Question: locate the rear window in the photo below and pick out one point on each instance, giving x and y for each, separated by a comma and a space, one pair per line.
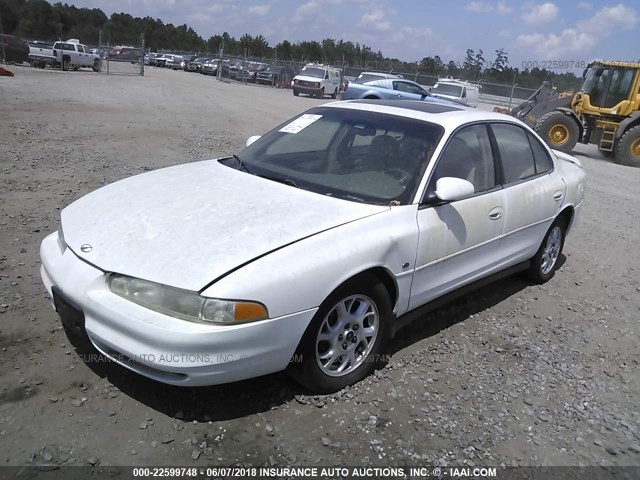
447, 89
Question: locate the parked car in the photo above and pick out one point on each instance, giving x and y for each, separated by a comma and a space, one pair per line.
375, 209
151, 59
162, 59
210, 67
365, 77
15, 50
458, 90
195, 65
41, 54
317, 80
388, 88
276, 76
73, 54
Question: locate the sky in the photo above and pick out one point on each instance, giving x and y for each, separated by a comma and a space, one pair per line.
529, 31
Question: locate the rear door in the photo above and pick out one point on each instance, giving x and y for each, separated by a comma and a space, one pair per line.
534, 191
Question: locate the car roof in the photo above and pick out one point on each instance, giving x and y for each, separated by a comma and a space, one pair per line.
449, 116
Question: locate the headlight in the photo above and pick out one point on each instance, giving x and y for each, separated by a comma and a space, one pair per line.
185, 304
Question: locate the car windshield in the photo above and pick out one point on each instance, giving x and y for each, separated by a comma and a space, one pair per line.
313, 72
361, 156
447, 89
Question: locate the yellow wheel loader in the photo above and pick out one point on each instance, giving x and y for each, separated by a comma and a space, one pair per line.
605, 112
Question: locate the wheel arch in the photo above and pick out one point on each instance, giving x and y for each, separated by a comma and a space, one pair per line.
632, 121
570, 113
567, 215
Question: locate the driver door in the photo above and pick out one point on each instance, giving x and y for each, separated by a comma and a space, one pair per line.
408, 90
460, 241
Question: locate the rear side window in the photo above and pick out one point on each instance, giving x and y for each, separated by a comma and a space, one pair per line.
540, 155
515, 152
68, 46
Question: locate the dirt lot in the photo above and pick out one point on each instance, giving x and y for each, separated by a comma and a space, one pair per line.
513, 374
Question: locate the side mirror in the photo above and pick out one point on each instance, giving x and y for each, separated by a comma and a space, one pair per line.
252, 139
450, 189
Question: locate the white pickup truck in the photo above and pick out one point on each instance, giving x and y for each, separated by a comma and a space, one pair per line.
73, 54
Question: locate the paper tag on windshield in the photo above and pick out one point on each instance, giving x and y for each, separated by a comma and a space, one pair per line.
300, 123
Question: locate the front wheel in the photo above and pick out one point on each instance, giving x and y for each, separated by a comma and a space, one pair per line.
65, 64
545, 261
628, 148
345, 340
296, 93
321, 93
558, 130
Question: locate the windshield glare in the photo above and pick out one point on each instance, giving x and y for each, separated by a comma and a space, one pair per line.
361, 156
313, 72
447, 89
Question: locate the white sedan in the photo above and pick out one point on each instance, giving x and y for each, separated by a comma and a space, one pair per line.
307, 250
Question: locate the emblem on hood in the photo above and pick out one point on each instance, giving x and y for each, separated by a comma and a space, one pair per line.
86, 248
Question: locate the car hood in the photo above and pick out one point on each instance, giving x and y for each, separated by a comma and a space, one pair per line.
189, 225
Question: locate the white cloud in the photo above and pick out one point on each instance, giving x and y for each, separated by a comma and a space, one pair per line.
503, 8
557, 47
306, 9
376, 19
584, 5
580, 40
541, 13
479, 6
610, 19
259, 10
411, 35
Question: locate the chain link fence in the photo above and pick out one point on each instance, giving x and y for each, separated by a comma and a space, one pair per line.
121, 59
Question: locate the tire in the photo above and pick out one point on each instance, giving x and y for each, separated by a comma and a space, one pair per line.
321, 93
335, 93
545, 261
296, 93
65, 64
318, 366
96, 66
76, 68
558, 130
628, 148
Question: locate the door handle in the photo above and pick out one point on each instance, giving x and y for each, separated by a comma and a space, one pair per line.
558, 196
495, 213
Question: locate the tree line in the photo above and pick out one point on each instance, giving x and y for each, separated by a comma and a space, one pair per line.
40, 20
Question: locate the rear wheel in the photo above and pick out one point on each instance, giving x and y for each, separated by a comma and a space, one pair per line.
335, 93
628, 148
545, 261
345, 340
96, 66
558, 130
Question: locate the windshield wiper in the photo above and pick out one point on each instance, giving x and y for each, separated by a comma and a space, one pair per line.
286, 181
241, 164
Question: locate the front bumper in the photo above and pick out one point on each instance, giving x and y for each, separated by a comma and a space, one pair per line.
307, 90
164, 348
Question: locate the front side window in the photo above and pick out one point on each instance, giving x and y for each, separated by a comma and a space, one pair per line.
361, 156
515, 152
468, 156
408, 88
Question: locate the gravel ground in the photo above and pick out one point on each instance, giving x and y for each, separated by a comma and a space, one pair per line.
513, 374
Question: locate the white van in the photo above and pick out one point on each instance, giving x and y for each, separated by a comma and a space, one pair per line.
458, 90
317, 80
